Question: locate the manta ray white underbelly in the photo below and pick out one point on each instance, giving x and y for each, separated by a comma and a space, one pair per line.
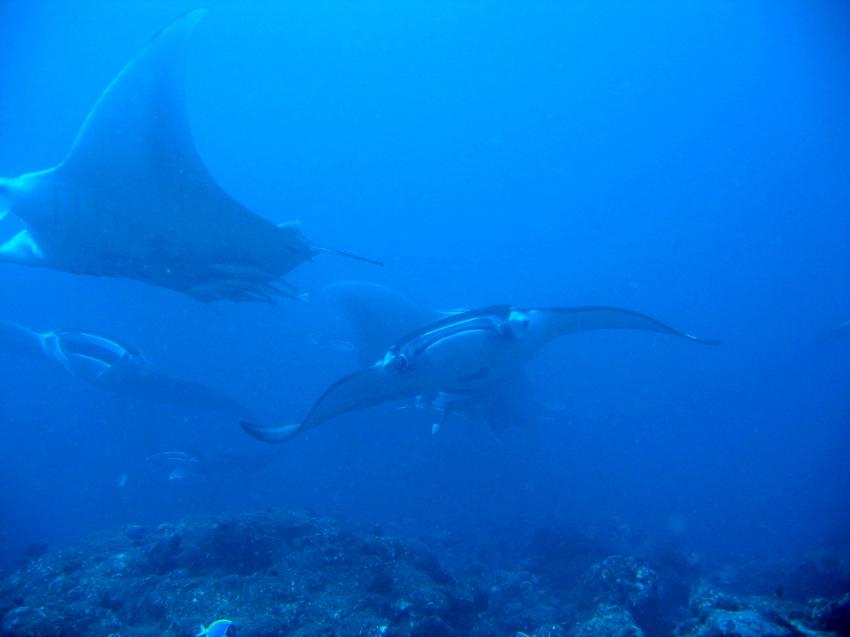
133, 198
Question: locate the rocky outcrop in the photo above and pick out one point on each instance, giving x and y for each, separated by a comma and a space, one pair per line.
271, 573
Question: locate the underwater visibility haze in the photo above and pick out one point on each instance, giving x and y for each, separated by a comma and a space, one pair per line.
657, 192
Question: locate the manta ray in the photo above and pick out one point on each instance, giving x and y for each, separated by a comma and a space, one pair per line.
464, 355
380, 316
133, 198
110, 365
192, 463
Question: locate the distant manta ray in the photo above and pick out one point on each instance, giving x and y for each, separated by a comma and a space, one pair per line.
183, 464
133, 199
463, 354
110, 365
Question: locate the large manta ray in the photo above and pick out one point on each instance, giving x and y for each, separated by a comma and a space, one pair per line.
379, 316
110, 365
464, 355
133, 199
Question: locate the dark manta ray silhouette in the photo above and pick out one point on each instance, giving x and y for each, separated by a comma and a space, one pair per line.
463, 354
110, 365
133, 199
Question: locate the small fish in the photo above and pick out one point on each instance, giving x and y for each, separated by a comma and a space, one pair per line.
219, 628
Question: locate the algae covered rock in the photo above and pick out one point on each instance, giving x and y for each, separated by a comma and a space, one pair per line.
518, 602
628, 583
271, 573
716, 613
832, 614
742, 623
608, 621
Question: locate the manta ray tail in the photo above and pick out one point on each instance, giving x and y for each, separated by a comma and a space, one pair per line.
295, 227
280, 433
342, 253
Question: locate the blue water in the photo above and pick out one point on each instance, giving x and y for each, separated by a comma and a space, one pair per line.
688, 160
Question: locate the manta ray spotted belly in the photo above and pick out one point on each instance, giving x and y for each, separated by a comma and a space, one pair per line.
133, 199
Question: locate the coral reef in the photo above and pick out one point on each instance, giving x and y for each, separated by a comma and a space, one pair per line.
628, 583
293, 574
518, 601
608, 621
271, 573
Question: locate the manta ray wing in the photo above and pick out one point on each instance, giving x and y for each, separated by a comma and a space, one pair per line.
132, 198
138, 128
362, 389
553, 322
18, 339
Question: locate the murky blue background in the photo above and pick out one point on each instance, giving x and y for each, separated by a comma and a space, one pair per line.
688, 160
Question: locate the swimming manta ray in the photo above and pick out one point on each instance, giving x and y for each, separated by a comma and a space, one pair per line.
110, 365
464, 355
133, 199
379, 317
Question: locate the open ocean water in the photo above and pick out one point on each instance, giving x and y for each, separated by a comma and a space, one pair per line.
516, 469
